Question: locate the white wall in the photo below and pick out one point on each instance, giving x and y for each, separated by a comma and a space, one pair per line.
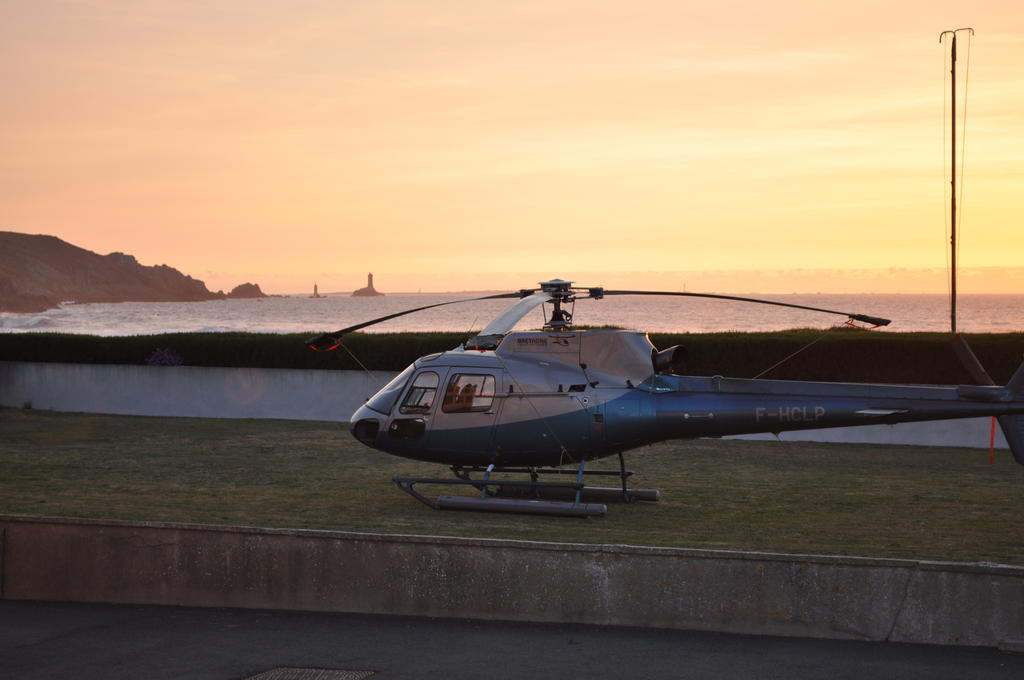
190, 391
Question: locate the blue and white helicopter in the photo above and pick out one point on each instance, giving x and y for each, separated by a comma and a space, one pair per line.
534, 402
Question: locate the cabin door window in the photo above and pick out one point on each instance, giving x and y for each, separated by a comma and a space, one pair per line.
468, 393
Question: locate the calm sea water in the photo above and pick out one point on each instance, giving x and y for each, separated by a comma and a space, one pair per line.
976, 313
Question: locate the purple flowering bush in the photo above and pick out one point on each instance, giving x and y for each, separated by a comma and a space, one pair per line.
163, 357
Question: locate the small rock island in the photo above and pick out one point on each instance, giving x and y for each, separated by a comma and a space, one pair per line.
369, 290
247, 290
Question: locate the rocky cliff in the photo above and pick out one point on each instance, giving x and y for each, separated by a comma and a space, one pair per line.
37, 272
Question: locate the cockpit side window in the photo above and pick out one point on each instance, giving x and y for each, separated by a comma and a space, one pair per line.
420, 396
384, 401
466, 393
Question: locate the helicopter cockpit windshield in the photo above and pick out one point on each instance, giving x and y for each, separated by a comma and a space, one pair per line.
385, 399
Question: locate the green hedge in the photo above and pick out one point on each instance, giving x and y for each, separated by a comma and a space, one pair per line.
385, 351
855, 356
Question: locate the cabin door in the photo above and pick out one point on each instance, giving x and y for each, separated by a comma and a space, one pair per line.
468, 411
410, 425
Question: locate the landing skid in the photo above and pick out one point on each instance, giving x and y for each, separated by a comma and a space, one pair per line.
570, 498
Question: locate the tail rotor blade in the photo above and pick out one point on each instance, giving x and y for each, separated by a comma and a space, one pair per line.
970, 361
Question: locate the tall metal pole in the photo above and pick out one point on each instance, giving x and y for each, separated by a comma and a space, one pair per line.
952, 195
952, 177
960, 346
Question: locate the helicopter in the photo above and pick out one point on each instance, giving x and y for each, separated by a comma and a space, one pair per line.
539, 403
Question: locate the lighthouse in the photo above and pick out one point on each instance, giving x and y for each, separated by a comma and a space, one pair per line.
369, 290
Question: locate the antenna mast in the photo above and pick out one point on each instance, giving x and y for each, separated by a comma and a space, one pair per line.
952, 178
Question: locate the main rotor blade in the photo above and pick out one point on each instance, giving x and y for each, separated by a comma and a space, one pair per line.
329, 341
504, 322
873, 320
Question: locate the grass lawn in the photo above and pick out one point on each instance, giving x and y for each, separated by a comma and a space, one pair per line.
834, 499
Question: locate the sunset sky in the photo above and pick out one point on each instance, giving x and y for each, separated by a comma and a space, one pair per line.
456, 145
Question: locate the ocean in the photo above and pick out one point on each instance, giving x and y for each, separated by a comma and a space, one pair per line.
300, 314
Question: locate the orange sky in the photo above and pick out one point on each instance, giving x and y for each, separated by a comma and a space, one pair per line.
438, 143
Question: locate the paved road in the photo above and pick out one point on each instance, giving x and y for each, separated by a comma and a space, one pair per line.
47, 640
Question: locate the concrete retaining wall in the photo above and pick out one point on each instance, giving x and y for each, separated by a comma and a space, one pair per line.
188, 391
756, 593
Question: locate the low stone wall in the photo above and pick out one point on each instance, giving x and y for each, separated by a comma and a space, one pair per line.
755, 593
188, 391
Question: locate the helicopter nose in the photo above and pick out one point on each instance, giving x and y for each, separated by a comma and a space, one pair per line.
365, 430
365, 424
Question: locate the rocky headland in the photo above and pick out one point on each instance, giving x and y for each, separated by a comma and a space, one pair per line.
38, 272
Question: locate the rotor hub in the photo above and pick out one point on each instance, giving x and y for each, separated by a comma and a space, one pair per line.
561, 293
555, 286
